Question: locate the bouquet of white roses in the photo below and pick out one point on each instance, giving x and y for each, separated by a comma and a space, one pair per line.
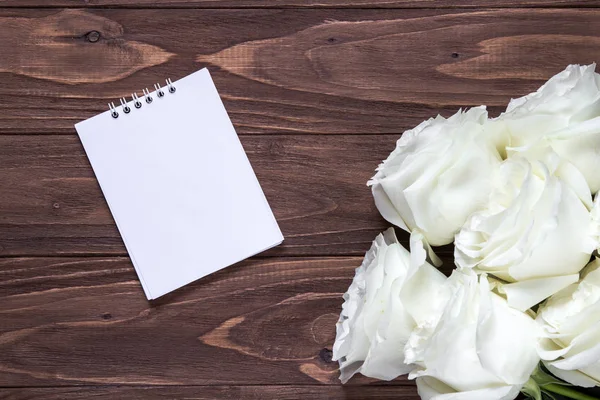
514, 194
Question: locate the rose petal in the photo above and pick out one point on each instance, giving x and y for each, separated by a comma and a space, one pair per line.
525, 294
432, 389
576, 378
503, 332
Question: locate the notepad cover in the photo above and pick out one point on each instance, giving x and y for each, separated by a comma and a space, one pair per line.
179, 185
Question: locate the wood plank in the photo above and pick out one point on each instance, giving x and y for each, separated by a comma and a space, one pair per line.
285, 71
377, 392
223, 393
215, 392
50, 202
72, 321
301, 4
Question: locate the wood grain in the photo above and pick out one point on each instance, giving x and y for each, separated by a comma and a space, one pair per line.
301, 4
286, 71
319, 91
215, 392
316, 185
51, 36
68, 321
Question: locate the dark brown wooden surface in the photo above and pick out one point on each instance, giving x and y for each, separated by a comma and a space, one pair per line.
69, 321
300, 3
319, 92
286, 71
52, 204
215, 392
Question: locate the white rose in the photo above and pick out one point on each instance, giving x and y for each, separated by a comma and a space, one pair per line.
595, 229
571, 319
392, 292
480, 348
439, 173
565, 113
535, 231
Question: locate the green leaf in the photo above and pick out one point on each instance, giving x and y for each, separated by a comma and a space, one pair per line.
542, 378
532, 390
567, 392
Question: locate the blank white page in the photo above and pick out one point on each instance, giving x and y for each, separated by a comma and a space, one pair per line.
179, 185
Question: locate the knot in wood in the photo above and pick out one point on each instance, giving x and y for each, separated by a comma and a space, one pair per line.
93, 36
326, 355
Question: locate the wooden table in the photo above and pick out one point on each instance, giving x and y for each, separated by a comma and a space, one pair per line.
319, 90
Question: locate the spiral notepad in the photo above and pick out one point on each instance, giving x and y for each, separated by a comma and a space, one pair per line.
178, 183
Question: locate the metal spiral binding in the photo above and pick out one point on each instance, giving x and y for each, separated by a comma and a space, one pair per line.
159, 91
137, 103
113, 110
147, 96
124, 105
170, 85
